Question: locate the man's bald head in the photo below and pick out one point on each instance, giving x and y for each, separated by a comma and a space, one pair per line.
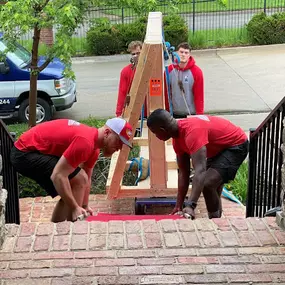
162, 124
159, 118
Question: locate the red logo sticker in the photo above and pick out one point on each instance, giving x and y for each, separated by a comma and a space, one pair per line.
155, 88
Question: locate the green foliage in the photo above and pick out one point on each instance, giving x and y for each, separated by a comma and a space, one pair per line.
239, 185
139, 7
29, 188
265, 30
18, 129
103, 38
175, 29
19, 17
142, 7
218, 38
78, 45
102, 43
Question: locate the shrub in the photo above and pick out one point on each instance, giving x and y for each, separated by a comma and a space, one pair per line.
103, 38
175, 29
239, 185
131, 32
265, 30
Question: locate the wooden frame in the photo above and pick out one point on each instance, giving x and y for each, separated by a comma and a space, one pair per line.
148, 81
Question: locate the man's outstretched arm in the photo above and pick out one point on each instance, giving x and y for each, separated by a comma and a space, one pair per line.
199, 160
183, 162
62, 185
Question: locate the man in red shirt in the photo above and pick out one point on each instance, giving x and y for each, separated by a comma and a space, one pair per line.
60, 156
126, 78
217, 149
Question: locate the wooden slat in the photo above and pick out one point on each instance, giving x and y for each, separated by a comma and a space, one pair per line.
163, 165
137, 94
170, 165
147, 62
141, 141
157, 157
112, 168
141, 193
129, 191
144, 124
154, 28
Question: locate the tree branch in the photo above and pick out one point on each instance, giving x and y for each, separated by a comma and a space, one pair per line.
44, 65
46, 2
60, 7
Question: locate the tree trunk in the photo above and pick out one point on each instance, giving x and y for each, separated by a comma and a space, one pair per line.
34, 78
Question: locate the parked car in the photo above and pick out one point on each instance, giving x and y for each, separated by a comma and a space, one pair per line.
55, 92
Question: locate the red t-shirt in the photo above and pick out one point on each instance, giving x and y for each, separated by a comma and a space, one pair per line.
215, 133
75, 141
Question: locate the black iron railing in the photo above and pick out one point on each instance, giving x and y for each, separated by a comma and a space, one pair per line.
10, 177
265, 164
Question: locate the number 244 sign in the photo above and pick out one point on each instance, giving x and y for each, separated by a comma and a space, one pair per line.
4, 101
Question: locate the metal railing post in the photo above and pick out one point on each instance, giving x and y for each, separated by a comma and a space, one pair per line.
251, 175
193, 28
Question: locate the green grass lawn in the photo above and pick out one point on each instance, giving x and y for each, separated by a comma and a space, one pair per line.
210, 6
78, 44
218, 38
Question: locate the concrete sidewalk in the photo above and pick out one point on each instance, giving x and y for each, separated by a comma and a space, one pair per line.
243, 79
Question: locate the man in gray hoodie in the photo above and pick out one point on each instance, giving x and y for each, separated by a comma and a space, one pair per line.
187, 84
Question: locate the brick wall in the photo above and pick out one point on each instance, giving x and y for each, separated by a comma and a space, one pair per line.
47, 36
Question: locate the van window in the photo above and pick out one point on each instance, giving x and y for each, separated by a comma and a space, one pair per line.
18, 54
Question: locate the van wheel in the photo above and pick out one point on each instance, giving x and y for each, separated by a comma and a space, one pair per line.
44, 112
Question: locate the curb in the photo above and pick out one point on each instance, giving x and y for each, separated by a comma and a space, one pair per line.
126, 57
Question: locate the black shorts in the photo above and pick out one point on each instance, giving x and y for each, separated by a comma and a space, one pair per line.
38, 167
229, 160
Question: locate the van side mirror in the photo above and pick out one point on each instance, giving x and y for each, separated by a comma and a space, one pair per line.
4, 69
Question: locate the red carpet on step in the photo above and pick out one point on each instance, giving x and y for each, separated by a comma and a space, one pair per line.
104, 217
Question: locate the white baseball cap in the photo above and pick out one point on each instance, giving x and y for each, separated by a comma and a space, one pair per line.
122, 128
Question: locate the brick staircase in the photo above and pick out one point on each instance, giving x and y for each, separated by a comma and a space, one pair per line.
219, 251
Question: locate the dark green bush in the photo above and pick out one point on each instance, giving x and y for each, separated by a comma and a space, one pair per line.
265, 30
130, 32
175, 29
29, 188
103, 38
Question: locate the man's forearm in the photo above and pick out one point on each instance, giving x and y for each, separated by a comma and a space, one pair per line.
183, 185
87, 193
197, 186
63, 188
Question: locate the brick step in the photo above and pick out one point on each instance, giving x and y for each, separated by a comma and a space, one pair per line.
228, 250
200, 233
40, 209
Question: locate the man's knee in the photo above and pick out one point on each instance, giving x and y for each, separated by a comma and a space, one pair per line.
212, 180
81, 178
